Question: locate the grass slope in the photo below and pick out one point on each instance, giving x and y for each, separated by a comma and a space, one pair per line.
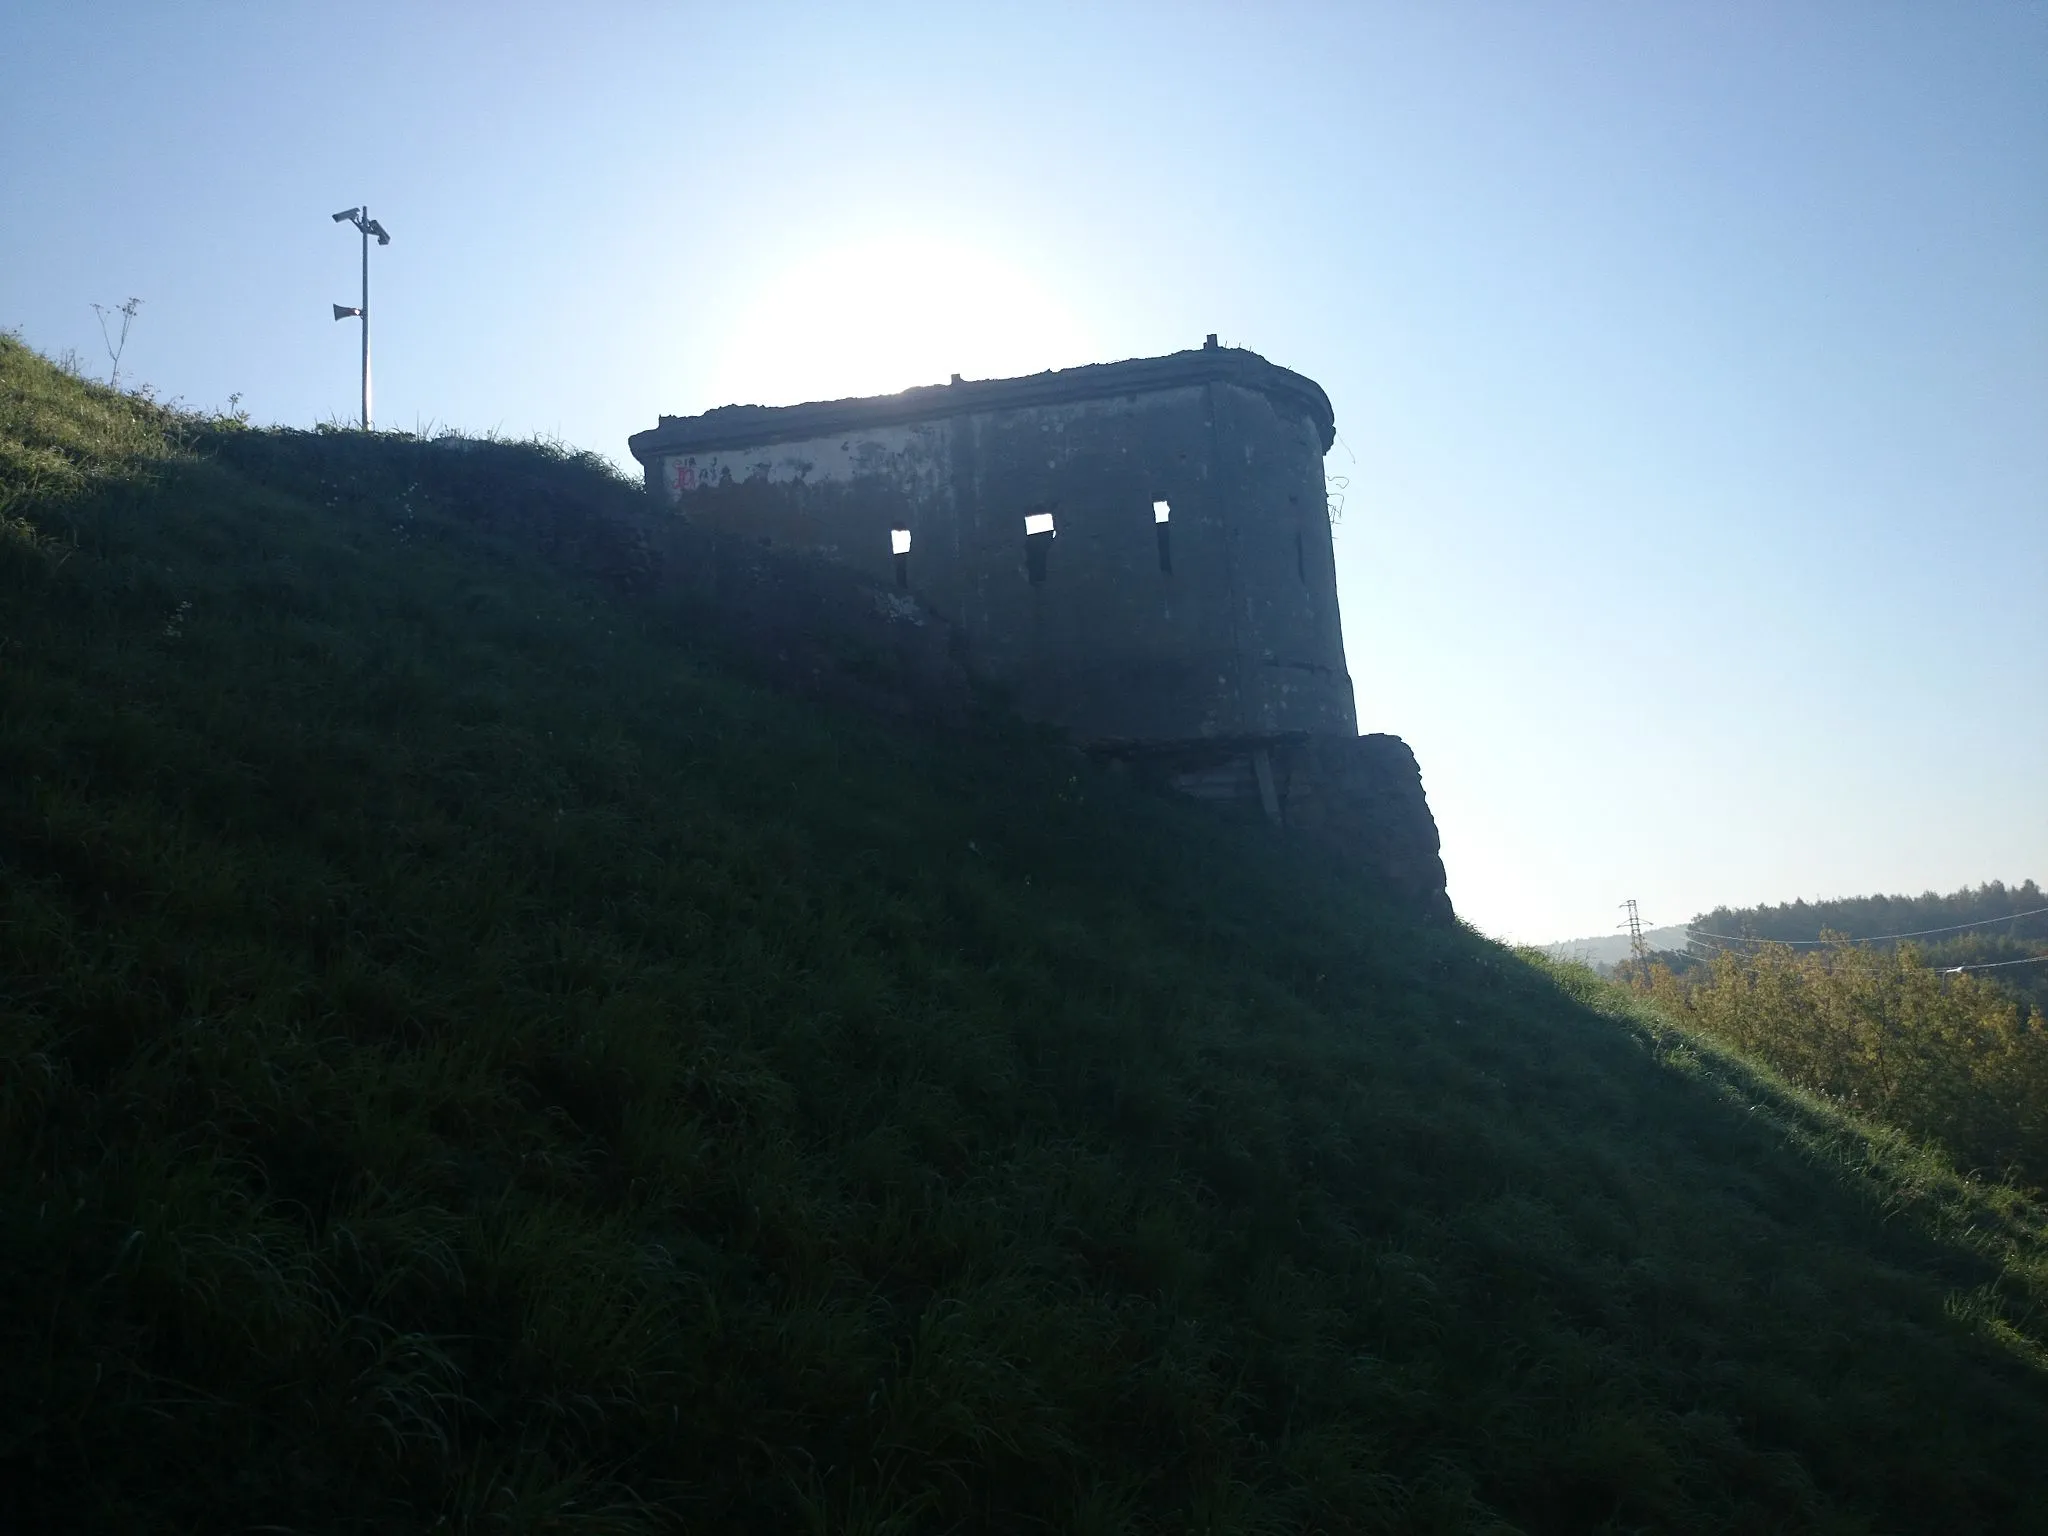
469, 1062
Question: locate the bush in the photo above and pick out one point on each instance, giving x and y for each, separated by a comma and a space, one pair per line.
1948, 1057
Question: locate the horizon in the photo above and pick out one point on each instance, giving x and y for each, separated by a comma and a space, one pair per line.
1688, 366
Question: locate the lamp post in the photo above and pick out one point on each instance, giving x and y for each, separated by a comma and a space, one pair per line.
360, 217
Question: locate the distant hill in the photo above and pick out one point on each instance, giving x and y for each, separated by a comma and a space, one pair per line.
476, 1058
1609, 949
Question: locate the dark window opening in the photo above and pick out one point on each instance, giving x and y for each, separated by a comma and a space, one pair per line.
1039, 533
899, 546
1165, 549
903, 572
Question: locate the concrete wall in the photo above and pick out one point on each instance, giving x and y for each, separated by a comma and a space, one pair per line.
1227, 626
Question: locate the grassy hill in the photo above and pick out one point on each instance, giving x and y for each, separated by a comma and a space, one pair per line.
471, 1060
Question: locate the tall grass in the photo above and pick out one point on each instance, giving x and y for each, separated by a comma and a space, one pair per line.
469, 1061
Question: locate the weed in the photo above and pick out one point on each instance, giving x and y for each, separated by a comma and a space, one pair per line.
116, 345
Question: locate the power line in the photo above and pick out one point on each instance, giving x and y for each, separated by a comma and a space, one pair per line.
1721, 949
1881, 938
1992, 965
1946, 970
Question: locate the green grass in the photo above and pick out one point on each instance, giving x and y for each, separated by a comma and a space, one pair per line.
472, 1061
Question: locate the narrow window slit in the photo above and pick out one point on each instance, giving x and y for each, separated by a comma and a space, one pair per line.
899, 546
1039, 532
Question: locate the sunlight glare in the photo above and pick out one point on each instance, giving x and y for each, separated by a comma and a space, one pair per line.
882, 315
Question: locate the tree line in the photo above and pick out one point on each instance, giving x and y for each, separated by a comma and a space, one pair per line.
2005, 924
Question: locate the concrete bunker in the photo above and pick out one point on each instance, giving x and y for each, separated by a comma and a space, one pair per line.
1138, 551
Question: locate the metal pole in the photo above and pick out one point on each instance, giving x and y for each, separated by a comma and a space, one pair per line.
365, 226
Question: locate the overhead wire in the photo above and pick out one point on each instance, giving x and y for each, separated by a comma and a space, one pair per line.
1945, 970
1992, 965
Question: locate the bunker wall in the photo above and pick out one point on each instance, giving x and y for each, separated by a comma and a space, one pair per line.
1219, 620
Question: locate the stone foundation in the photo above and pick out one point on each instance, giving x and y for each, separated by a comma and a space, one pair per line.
1359, 794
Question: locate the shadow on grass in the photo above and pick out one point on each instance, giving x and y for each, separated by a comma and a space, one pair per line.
467, 1061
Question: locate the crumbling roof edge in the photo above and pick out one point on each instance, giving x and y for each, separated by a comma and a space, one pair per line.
745, 426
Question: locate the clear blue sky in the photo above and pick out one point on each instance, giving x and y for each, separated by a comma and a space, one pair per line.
1690, 360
